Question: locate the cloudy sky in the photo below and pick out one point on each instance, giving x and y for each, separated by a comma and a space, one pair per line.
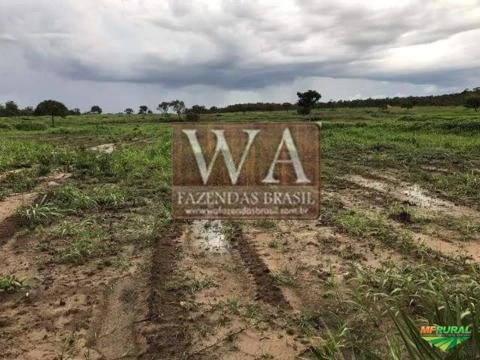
124, 53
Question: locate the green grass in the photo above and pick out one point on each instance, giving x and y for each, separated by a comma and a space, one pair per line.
36, 214
124, 198
191, 285
11, 284
284, 277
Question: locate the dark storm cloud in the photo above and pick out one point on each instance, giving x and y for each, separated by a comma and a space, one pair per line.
242, 45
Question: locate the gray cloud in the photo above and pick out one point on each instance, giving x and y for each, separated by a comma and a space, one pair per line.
238, 45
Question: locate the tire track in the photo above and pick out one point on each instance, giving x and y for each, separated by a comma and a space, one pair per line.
166, 328
267, 290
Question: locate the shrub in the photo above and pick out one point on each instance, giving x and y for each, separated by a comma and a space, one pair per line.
30, 126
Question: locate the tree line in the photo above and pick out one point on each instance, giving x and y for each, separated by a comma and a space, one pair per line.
307, 101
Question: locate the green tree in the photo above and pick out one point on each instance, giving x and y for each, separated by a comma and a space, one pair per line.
307, 101
27, 111
11, 108
96, 109
128, 111
198, 109
473, 102
142, 109
178, 107
164, 106
51, 108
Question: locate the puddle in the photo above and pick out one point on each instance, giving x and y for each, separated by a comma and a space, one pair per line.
104, 148
411, 193
416, 195
435, 169
209, 235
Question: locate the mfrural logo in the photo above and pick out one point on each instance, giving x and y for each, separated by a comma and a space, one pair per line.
445, 337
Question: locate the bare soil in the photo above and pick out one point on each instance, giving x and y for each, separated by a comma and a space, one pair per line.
202, 290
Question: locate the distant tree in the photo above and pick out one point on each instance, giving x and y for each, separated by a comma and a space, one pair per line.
142, 110
163, 107
384, 106
198, 109
407, 103
304, 110
27, 111
75, 112
192, 116
51, 108
473, 102
96, 109
128, 111
286, 106
307, 101
11, 108
149, 112
213, 109
178, 107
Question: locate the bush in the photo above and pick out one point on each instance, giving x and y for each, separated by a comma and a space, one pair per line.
193, 117
303, 111
30, 126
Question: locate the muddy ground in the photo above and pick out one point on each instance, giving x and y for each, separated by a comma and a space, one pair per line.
210, 289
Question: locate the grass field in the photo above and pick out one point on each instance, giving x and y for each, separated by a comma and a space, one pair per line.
94, 267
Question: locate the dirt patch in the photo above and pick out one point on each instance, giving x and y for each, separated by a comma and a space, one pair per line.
227, 317
443, 242
52, 318
8, 208
115, 336
104, 148
469, 250
10, 205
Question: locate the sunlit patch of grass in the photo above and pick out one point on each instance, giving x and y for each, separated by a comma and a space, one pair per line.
11, 284
84, 241
21, 181
191, 285
284, 277
37, 214
360, 225
80, 251
103, 197
331, 345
